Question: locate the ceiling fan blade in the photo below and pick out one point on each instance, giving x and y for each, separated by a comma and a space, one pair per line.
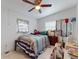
46, 5
31, 9
28, 2
37, 2
40, 11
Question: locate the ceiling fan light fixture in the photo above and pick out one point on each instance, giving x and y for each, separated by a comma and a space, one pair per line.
37, 7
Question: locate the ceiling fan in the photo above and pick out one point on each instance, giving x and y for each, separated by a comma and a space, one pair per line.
37, 5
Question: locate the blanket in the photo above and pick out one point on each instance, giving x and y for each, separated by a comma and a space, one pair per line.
33, 44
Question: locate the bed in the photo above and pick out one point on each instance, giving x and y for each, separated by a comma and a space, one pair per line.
33, 45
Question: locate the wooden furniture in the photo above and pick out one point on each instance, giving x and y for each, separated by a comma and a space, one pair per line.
15, 44
72, 50
53, 40
52, 37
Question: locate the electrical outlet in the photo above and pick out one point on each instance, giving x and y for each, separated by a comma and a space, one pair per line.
7, 52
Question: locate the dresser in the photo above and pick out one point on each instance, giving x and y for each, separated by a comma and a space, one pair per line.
53, 40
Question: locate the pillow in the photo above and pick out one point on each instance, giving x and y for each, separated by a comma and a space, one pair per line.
36, 33
43, 33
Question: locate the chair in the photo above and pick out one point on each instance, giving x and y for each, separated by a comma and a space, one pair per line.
54, 55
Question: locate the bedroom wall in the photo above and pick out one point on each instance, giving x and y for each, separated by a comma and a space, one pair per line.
71, 12
9, 28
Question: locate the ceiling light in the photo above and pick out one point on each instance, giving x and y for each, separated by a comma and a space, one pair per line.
37, 7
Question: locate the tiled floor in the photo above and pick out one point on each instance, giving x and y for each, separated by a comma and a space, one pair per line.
20, 55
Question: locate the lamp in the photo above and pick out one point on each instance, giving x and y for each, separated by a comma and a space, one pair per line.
66, 21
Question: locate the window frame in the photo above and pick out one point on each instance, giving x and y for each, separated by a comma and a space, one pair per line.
27, 22
51, 26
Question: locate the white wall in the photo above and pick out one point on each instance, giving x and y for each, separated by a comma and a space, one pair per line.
9, 28
71, 12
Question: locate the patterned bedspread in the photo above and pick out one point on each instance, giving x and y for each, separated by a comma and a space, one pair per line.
33, 44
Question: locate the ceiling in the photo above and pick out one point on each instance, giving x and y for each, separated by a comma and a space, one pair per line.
22, 7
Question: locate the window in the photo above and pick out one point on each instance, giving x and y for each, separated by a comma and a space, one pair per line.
23, 26
50, 25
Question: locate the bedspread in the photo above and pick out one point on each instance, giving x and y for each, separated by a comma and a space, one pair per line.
33, 44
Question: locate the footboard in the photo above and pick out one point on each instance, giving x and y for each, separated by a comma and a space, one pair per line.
27, 49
